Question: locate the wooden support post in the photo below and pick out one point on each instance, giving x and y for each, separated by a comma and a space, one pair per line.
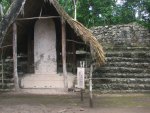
90, 88
74, 56
2, 73
16, 79
30, 53
64, 55
2, 70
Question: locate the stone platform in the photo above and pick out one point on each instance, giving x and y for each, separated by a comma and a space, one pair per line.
47, 81
45, 91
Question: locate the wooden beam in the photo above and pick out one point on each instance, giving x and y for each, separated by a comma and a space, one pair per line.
74, 56
64, 55
32, 18
76, 42
6, 46
16, 79
30, 53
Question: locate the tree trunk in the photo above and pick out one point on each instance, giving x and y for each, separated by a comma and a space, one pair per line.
75, 9
16, 79
9, 18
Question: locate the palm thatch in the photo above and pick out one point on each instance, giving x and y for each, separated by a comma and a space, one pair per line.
83, 32
79, 29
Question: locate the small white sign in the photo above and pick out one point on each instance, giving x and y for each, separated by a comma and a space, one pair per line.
80, 77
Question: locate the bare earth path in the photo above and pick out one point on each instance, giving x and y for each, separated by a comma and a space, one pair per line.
116, 103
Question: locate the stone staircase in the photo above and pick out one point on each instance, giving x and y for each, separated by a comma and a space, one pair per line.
6, 76
127, 69
7, 85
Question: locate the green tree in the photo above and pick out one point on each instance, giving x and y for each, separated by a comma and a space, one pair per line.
145, 13
68, 6
91, 12
127, 12
96, 12
5, 4
103, 12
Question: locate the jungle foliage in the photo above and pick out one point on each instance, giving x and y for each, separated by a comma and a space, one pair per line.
110, 12
104, 12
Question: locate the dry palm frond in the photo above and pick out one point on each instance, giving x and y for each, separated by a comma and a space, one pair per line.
83, 32
89, 38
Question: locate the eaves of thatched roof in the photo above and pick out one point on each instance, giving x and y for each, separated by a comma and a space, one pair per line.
79, 29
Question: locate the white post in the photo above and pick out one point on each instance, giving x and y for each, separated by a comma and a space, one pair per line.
75, 12
90, 87
75, 9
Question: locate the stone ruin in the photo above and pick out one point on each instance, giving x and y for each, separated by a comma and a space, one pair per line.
127, 67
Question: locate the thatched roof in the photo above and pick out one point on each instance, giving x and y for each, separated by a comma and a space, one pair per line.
78, 28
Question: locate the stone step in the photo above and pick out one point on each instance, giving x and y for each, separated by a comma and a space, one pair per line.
122, 70
54, 91
6, 89
127, 59
7, 80
132, 54
121, 80
127, 48
47, 77
7, 86
122, 91
121, 75
127, 64
121, 86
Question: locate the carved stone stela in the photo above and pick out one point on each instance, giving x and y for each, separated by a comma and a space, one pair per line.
45, 47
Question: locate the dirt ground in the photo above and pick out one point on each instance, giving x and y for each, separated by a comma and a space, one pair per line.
108, 103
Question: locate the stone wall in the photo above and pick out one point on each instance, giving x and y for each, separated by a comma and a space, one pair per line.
122, 35
127, 67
